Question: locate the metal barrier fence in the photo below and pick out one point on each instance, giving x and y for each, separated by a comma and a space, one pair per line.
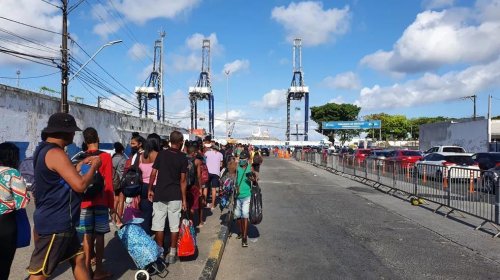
461, 189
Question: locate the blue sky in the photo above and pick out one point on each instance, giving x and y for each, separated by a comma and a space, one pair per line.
414, 57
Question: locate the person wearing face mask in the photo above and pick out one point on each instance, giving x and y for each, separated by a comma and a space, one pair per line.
243, 194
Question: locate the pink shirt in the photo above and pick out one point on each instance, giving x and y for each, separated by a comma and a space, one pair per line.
214, 159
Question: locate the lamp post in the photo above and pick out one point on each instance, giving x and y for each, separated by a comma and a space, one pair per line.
92, 57
227, 72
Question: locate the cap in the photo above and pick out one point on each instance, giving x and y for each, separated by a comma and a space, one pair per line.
207, 145
61, 122
244, 155
223, 142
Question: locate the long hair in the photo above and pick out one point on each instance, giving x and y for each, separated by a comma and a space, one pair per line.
9, 155
150, 145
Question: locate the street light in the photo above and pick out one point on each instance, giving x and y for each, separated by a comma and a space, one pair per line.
92, 57
227, 72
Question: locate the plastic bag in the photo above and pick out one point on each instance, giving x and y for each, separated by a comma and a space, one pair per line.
186, 244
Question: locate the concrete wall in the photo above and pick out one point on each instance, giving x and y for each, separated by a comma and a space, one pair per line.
24, 114
472, 135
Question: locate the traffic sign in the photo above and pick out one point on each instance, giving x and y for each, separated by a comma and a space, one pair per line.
352, 125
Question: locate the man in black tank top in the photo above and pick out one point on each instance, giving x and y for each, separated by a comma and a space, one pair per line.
57, 200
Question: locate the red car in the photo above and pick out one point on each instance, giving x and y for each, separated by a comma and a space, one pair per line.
406, 158
360, 155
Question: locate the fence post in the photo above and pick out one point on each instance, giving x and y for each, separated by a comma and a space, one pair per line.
415, 180
378, 170
497, 203
393, 174
447, 187
366, 169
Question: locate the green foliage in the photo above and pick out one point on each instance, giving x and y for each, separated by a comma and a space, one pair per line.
335, 112
398, 127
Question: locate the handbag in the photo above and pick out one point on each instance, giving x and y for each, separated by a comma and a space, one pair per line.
186, 244
23, 228
256, 205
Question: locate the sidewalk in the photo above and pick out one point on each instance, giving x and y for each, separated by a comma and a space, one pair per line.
118, 262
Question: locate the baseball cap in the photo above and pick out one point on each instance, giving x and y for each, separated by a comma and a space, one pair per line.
61, 122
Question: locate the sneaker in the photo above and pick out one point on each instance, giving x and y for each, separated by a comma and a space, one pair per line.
244, 243
209, 205
240, 236
171, 259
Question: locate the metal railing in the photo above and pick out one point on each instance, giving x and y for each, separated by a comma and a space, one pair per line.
462, 189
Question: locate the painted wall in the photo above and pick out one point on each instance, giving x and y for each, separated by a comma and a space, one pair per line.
24, 114
472, 135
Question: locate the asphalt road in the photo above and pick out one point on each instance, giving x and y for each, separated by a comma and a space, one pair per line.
321, 226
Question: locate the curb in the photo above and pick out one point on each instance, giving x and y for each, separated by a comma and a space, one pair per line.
217, 250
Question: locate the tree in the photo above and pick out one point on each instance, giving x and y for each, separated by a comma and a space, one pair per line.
335, 112
417, 122
394, 127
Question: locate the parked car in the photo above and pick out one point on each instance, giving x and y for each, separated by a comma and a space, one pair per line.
360, 155
436, 164
405, 158
486, 161
445, 149
264, 152
379, 156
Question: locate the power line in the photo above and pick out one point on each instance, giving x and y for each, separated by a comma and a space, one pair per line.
32, 77
13, 42
75, 6
26, 39
50, 4
35, 27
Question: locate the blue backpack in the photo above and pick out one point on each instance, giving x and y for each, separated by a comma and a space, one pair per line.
97, 186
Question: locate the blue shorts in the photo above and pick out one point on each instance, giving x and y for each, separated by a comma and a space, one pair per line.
242, 209
94, 219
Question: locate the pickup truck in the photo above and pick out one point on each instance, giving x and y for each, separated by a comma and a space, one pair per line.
445, 149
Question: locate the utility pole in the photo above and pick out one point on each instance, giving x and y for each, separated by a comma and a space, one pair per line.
160, 84
473, 98
18, 73
489, 121
99, 99
64, 58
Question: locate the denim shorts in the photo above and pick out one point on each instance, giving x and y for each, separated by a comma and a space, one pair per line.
242, 209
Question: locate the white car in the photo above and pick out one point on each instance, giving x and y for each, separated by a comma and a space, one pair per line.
454, 165
446, 149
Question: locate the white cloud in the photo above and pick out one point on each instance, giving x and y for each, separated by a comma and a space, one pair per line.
434, 39
138, 51
347, 80
432, 88
145, 10
235, 66
194, 44
36, 13
309, 21
337, 100
437, 4
272, 100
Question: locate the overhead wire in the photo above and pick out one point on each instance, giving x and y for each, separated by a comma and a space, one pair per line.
28, 25
13, 42
47, 2
32, 77
26, 39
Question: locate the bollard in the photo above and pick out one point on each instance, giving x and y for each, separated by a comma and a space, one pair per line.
471, 182
445, 181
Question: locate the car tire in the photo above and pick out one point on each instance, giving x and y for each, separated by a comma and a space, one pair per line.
488, 185
438, 176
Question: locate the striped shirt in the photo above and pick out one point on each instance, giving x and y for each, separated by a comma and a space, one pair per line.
13, 192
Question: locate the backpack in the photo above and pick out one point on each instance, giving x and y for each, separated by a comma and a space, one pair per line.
191, 172
132, 179
96, 187
256, 205
27, 170
116, 175
204, 174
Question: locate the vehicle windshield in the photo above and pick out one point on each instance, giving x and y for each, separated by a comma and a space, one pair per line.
453, 150
461, 160
411, 153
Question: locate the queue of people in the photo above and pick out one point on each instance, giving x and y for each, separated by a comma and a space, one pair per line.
176, 176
